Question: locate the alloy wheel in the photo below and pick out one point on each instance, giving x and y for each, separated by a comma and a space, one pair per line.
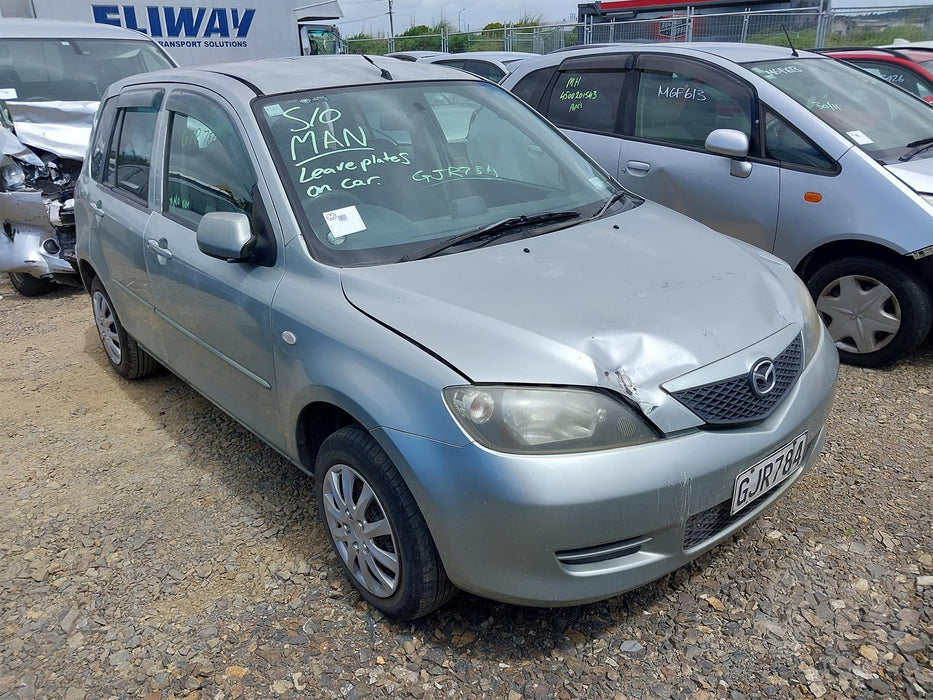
106, 322
361, 531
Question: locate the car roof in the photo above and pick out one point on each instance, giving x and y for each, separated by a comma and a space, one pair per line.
277, 75
736, 53
18, 28
493, 55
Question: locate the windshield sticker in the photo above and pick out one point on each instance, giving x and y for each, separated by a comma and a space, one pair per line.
859, 138
343, 222
7, 93
273, 110
598, 183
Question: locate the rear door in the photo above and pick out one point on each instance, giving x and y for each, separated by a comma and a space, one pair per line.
216, 315
118, 207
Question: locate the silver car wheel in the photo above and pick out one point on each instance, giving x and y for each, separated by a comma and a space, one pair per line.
107, 327
361, 532
861, 313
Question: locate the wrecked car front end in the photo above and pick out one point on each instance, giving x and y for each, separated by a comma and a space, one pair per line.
42, 149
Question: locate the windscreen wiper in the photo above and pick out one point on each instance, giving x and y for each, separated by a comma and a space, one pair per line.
491, 231
609, 202
919, 146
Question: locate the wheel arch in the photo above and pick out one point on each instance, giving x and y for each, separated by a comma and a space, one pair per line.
835, 250
87, 274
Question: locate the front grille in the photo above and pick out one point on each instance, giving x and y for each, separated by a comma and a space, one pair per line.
733, 401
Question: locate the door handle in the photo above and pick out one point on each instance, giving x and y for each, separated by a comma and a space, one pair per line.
154, 245
638, 167
96, 208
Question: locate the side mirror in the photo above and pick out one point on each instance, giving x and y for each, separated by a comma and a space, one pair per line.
226, 235
734, 144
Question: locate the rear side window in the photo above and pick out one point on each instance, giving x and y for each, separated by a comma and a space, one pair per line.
586, 100
126, 167
102, 138
208, 166
530, 88
681, 104
490, 71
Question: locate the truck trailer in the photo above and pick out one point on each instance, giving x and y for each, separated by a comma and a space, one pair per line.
196, 32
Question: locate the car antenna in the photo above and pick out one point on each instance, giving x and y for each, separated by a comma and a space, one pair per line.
385, 74
793, 51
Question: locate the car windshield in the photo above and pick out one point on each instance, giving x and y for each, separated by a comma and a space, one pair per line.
879, 118
381, 173
71, 70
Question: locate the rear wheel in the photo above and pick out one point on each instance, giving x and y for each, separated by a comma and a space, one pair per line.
376, 528
876, 311
30, 286
123, 352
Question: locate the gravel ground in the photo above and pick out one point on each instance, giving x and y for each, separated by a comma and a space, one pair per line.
152, 548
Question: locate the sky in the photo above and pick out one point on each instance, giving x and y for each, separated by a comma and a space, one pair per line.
371, 16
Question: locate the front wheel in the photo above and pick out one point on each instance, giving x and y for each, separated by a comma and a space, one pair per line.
876, 311
123, 352
376, 528
30, 286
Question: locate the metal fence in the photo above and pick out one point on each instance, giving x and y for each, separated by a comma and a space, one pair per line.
807, 27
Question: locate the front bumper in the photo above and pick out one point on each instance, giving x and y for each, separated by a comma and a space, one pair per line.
567, 529
30, 242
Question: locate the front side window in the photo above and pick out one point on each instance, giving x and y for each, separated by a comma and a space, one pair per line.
586, 100
70, 70
208, 166
785, 144
681, 104
380, 173
867, 111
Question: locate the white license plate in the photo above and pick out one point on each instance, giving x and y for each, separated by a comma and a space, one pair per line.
760, 478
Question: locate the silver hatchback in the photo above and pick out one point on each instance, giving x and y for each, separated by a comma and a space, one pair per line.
824, 165
506, 373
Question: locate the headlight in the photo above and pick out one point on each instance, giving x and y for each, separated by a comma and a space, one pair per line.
543, 420
812, 326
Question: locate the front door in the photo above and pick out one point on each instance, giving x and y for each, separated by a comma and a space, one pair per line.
215, 314
678, 102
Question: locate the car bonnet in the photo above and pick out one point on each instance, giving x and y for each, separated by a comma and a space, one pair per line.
638, 299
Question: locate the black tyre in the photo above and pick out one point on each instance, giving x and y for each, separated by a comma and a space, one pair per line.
877, 311
376, 528
122, 351
30, 286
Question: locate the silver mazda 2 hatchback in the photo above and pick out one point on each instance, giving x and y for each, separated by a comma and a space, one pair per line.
506, 373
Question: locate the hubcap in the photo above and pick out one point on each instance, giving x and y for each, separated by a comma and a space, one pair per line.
361, 531
107, 327
861, 313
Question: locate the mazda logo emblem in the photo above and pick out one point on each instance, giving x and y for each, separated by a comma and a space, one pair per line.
762, 377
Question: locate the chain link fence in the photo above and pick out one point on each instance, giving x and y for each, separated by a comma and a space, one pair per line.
807, 28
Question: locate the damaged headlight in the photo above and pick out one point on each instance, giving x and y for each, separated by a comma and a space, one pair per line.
544, 420
12, 175
812, 326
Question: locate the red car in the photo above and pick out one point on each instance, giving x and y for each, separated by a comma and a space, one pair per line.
910, 68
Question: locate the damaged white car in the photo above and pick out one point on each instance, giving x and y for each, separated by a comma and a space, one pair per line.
52, 75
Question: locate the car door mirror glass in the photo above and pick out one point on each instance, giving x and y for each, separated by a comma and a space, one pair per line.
727, 142
226, 235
